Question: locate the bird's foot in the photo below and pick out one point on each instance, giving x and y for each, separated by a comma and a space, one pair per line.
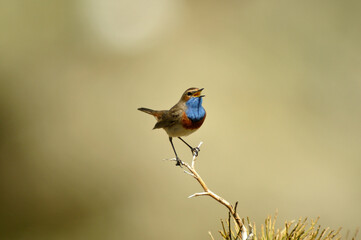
179, 162
195, 151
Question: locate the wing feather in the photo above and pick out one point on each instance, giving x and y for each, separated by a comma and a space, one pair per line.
169, 118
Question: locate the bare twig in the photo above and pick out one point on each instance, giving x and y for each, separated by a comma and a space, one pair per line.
207, 192
243, 232
229, 226
210, 234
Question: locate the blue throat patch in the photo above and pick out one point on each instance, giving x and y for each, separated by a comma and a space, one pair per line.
195, 111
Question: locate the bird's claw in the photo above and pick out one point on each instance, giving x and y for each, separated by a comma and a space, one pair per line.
195, 151
179, 162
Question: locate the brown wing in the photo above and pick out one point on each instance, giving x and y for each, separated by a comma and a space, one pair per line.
169, 118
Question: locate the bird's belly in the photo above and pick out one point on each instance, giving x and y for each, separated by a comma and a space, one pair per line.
178, 130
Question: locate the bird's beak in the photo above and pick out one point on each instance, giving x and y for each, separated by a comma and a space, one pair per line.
198, 93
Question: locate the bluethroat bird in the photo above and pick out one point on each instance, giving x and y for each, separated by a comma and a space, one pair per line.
182, 119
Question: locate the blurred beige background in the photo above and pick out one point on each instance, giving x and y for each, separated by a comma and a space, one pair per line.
78, 161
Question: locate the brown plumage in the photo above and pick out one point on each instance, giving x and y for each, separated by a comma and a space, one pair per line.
183, 118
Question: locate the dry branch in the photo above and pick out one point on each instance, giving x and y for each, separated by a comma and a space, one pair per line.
207, 192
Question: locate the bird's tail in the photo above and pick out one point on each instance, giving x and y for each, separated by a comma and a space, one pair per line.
155, 113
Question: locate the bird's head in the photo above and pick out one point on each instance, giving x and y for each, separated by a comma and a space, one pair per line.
192, 93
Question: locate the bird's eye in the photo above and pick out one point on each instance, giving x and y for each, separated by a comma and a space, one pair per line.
189, 93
